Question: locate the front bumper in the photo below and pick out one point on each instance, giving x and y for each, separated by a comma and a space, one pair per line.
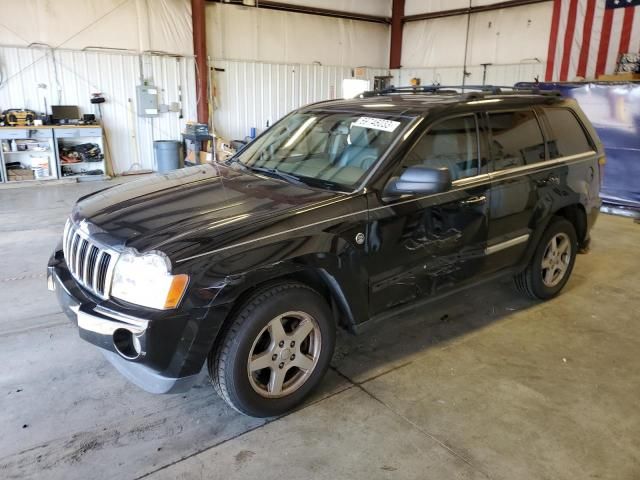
152, 369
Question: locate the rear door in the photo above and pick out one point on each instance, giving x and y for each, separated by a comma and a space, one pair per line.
516, 143
572, 176
425, 245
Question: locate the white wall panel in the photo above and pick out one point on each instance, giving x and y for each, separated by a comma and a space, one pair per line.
161, 25
252, 93
509, 35
438, 42
71, 77
255, 34
416, 7
513, 40
507, 74
381, 8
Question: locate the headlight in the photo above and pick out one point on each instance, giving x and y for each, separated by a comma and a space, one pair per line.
146, 280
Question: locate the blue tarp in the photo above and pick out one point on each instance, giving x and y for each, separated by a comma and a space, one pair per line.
614, 111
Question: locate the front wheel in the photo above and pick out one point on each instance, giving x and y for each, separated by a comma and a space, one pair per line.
552, 262
275, 351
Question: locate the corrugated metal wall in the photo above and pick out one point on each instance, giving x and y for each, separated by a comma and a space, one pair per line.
70, 77
506, 74
248, 94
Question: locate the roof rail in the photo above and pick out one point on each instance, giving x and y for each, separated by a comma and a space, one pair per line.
476, 90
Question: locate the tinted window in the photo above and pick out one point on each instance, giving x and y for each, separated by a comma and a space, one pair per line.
567, 136
451, 144
516, 139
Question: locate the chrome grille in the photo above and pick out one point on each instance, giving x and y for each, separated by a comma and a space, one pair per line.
90, 263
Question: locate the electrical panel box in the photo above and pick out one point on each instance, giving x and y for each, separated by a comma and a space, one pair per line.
147, 99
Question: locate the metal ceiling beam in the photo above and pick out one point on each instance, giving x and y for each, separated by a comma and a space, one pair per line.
323, 12
469, 10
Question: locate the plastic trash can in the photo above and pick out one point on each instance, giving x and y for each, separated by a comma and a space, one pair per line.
167, 155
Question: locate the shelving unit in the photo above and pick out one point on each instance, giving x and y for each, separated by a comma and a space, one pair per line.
71, 136
38, 153
34, 155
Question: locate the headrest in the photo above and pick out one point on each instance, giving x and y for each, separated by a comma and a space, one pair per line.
359, 137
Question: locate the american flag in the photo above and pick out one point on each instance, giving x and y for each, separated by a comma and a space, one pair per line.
588, 36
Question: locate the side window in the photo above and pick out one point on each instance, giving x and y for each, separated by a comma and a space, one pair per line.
452, 144
516, 139
567, 136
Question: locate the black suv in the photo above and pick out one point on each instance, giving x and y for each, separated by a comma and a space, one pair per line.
341, 214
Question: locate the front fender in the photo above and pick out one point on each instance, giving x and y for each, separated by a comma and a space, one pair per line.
317, 247
341, 278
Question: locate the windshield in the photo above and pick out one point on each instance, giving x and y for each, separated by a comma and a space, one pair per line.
325, 149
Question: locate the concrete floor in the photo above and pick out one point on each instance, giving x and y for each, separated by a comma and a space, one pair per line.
486, 385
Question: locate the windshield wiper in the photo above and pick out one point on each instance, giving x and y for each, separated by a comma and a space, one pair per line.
307, 181
275, 172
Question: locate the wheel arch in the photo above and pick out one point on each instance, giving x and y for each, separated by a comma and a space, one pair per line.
577, 215
330, 289
319, 278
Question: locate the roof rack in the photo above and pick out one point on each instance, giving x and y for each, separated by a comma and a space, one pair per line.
477, 90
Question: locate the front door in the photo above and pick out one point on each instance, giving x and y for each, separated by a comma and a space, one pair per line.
423, 246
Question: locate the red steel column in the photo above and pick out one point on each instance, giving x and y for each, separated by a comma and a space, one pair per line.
200, 51
395, 50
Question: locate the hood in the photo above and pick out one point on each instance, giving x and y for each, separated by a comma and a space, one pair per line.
155, 212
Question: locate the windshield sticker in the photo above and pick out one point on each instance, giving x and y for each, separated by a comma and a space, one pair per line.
377, 124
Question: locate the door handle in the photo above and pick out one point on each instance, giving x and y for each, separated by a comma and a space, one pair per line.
473, 201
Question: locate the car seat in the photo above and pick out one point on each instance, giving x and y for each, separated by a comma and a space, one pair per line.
359, 154
443, 151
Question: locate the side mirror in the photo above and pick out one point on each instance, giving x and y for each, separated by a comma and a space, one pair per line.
419, 180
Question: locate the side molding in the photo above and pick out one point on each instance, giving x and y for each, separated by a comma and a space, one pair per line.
507, 244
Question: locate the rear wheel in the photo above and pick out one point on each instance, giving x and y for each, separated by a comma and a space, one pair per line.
275, 351
552, 262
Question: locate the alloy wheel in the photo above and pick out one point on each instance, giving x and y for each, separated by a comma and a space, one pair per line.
556, 259
284, 354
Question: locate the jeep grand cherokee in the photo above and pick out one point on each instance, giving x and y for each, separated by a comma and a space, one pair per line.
341, 214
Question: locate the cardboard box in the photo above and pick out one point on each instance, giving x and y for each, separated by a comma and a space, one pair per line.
360, 72
205, 157
619, 77
19, 174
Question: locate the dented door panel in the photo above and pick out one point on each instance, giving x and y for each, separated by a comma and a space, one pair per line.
424, 246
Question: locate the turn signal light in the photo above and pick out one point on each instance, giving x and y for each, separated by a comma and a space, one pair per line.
176, 291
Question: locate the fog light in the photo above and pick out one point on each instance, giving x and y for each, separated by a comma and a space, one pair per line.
126, 344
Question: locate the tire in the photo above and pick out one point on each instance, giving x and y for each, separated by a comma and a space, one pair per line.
263, 371
536, 281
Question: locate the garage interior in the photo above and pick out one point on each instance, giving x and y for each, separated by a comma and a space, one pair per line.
482, 384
